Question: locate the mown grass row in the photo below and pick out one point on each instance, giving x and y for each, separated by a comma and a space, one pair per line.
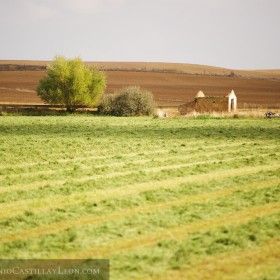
156, 197
147, 226
157, 166
65, 197
137, 196
148, 201
93, 162
243, 263
79, 138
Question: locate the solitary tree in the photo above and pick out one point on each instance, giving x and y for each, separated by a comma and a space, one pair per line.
70, 83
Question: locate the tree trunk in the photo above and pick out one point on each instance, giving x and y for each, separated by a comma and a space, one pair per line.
70, 109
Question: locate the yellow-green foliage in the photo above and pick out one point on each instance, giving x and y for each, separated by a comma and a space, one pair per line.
72, 84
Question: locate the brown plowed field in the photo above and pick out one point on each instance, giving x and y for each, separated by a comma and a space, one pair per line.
169, 88
19, 86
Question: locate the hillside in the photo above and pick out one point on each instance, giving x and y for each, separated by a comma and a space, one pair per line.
171, 83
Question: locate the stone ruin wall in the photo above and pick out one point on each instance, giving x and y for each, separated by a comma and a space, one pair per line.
205, 105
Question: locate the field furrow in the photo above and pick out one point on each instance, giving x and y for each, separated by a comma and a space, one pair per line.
157, 157
201, 198
15, 208
241, 265
89, 157
159, 164
236, 218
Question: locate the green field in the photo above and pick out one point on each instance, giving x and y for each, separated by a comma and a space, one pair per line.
161, 198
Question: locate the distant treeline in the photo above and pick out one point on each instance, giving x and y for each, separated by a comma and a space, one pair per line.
26, 67
21, 67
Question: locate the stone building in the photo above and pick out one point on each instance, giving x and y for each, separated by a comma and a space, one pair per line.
208, 104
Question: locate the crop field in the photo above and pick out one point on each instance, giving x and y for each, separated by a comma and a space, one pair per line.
171, 84
161, 198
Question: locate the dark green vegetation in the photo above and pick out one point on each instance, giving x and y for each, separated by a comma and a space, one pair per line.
129, 101
68, 82
165, 198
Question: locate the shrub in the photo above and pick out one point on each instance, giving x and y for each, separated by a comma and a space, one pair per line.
106, 106
129, 101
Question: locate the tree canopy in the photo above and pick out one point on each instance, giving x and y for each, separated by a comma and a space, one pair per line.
69, 82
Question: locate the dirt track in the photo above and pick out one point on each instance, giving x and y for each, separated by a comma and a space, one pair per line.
169, 89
